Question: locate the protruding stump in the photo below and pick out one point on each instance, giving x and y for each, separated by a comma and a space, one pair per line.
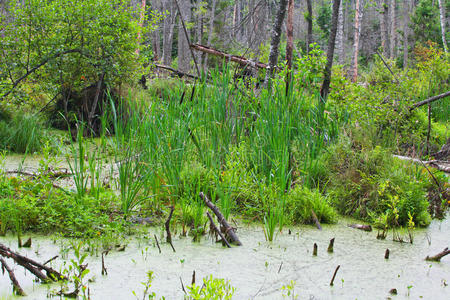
331, 246
334, 275
315, 250
386, 254
438, 256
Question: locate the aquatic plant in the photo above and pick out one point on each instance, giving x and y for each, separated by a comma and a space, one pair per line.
213, 288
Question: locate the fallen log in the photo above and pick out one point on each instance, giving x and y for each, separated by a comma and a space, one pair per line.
216, 230
16, 286
229, 231
361, 227
316, 220
32, 266
438, 256
443, 166
429, 100
178, 73
234, 58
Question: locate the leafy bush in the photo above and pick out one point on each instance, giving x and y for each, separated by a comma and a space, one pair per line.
35, 205
367, 182
301, 201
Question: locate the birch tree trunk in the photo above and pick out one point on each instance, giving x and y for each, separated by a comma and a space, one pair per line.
405, 32
340, 36
393, 34
210, 33
156, 35
358, 18
443, 21
275, 42
168, 30
309, 22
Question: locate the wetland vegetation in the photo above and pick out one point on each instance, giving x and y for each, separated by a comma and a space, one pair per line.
115, 176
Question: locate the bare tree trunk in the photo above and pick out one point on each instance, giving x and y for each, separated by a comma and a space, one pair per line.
405, 32
340, 36
156, 36
184, 55
393, 34
168, 31
358, 18
141, 23
442, 17
290, 34
210, 34
199, 29
275, 42
331, 43
309, 21
383, 26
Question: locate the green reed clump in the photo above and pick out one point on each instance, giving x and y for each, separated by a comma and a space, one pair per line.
24, 133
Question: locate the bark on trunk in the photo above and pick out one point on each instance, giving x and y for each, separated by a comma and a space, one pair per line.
393, 34
442, 18
331, 44
275, 42
290, 34
405, 32
168, 30
340, 36
357, 34
309, 21
383, 8
184, 55
210, 33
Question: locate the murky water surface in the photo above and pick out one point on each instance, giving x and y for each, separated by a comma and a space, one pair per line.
259, 269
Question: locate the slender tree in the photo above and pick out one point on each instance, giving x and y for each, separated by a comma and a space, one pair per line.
340, 36
383, 9
357, 34
290, 34
393, 34
275, 42
331, 44
308, 15
442, 18
211, 30
405, 32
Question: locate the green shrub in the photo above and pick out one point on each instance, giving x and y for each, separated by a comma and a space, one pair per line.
301, 201
368, 182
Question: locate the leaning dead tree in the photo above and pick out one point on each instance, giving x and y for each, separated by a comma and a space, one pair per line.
429, 100
224, 226
230, 57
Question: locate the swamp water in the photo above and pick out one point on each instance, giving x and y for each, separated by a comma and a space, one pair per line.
259, 269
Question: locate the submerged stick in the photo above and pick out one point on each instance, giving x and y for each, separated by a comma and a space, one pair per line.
228, 229
193, 278
316, 220
331, 246
182, 285
16, 286
361, 227
315, 249
213, 225
51, 259
438, 256
104, 271
169, 235
334, 275
157, 243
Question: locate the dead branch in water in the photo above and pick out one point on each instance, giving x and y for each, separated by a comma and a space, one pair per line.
334, 275
438, 256
16, 286
229, 231
216, 230
361, 227
316, 220
169, 235
32, 266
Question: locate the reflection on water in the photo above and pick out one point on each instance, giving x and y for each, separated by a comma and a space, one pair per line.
254, 269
